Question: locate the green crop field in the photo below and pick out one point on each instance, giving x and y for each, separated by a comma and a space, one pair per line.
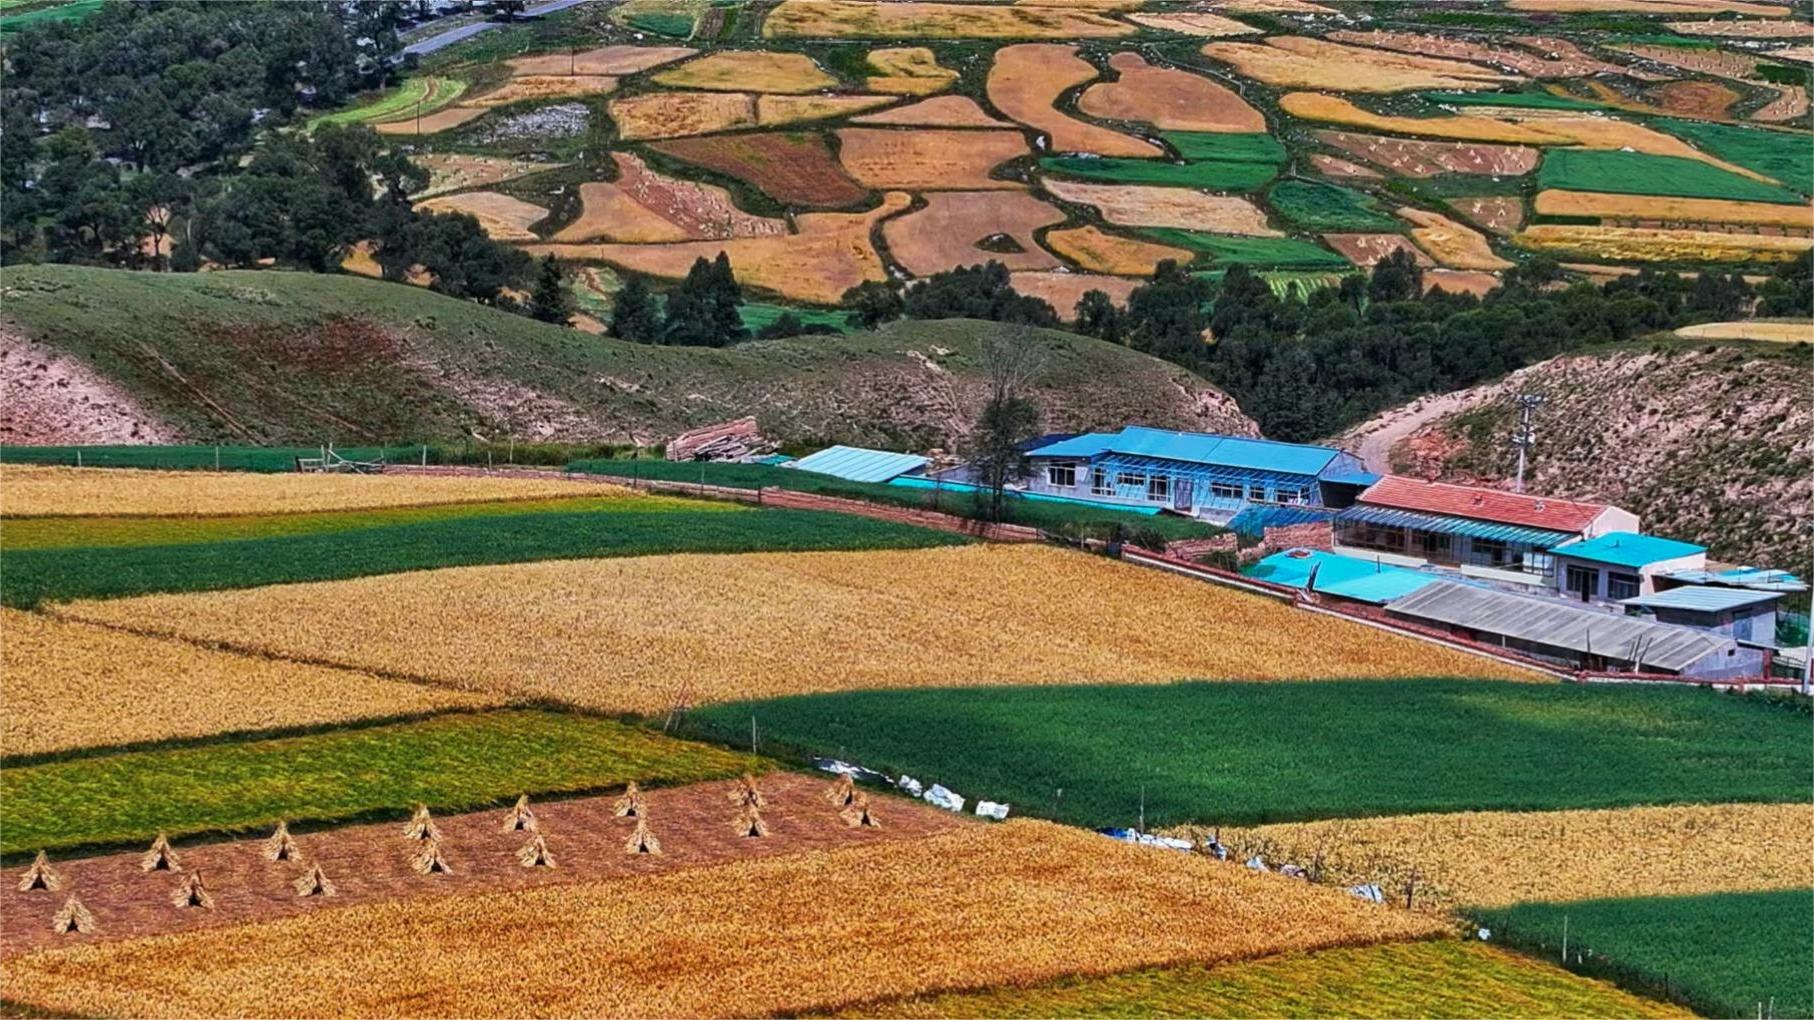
1530, 100
1242, 753
1279, 252
1443, 977
1786, 156
1726, 954
1226, 148
1222, 176
183, 458
431, 92
758, 316
1314, 206
36, 575
1637, 173
677, 24
45, 13
450, 762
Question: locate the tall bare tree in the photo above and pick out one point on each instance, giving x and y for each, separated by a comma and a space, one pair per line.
1013, 357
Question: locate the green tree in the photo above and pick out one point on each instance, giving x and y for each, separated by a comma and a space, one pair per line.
703, 308
634, 314
1097, 316
977, 292
872, 303
1397, 277
551, 301
1009, 418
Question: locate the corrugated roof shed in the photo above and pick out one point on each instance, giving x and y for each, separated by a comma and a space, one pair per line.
1760, 578
1703, 600
1197, 448
1348, 577
1561, 625
1482, 504
1628, 549
855, 464
1443, 525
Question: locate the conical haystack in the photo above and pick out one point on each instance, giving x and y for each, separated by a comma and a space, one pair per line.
746, 794
314, 882
630, 804
280, 847
192, 892
641, 842
40, 876
749, 822
160, 857
858, 816
534, 854
431, 861
74, 917
520, 818
421, 826
843, 791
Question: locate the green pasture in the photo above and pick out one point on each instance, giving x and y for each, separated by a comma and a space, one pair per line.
1786, 156
1637, 173
1275, 252
1222, 176
431, 92
1526, 100
1317, 207
1231, 147
758, 316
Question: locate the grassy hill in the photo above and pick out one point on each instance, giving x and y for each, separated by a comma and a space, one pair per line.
272, 357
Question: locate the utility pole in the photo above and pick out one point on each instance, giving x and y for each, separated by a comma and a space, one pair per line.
1526, 436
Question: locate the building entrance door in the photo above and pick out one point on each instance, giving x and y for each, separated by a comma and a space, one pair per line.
1583, 582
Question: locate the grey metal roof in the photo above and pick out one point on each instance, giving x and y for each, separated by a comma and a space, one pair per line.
856, 464
1559, 624
1705, 600
1444, 525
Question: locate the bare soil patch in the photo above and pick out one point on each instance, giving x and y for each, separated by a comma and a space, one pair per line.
909, 71
1693, 98
1459, 281
1791, 103
1028, 78
1134, 205
1168, 99
749, 71
1501, 214
948, 231
432, 123
1198, 23
910, 19
1097, 251
504, 218
797, 169
51, 398
1303, 62
645, 206
545, 86
1370, 249
928, 159
939, 111
1063, 290
1452, 245
452, 171
678, 114
1406, 158
617, 60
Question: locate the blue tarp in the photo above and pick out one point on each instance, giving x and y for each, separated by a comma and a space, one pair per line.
855, 464
1440, 524
1348, 577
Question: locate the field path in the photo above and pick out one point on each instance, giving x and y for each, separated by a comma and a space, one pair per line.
1372, 441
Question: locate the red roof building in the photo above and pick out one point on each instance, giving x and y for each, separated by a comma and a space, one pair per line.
1587, 520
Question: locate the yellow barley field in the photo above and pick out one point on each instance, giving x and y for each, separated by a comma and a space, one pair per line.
1450, 243
1643, 244
1553, 202
71, 685
1098, 251
1303, 62
503, 217
1497, 858
679, 114
633, 635
981, 905
749, 71
909, 71
912, 19
1751, 329
32, 491
545, 86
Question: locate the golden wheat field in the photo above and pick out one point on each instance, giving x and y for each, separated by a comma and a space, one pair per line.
1496, 858
1751, 329
981, 905
1553, 202
635, 634
31, 491
1643, 244
72, 685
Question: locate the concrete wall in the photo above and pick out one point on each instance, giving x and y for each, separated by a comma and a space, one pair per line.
1646, 574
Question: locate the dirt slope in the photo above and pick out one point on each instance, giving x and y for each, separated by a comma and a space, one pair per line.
268, 357
1712, 445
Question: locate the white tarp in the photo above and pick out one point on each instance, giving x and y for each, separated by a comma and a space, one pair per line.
938, 796
844, 768
1370, 893
990, 809
1257, 863
910, 784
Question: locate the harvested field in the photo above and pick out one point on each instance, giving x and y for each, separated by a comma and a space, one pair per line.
1791, 29
1335, 166
1063, 290
75, 685
1805, 54
642, 206
678, 114
1097, 251
114, 492
908, 71
1168, 99
1717, 62
738, 939
1272, 7
1302, 62
1605, 205
1660, 245
1568, 60
794, 169
1213, 175
1316, 106
831, 254
1028, 78
1691, 98
861, 621
939, 111
1651, 7
1790, 104
1498, 858
949, 231
1449, 243
544, 86
1142, 206
928, 159
454, 171
1751, 329
749, 71
1369, 249
503, 217
1406, 158
1501, 214
910, 19
1198, 23
775, 111
369, 863
617, 60
1459, 281
432, 123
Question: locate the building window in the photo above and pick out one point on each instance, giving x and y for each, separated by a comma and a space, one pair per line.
1256, 492
1130, 480
1373, 536
1223, 490
1490, 552
1622, 586
1293, 495
1539, 563
1432, 545
1582, 581
1061, 476
1099, 483
1159, 488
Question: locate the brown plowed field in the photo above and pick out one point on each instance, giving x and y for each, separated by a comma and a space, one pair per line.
545, 86
368, 863
604, 60
1098, 251
1369, 249
1198, 23
1168, 99
939, 111
1063, 290
1570, 61
1791, 29
1691, 98
910, 19
776, 111
909, 71
1452, 245
928, 160
749, 71
1675, 210
504, 218
644, 206
1028, 78
1139, 205
678, 114
1501, 214
1459, 281
796, 169
1302, 62
945, 234
1407, 158
431, 123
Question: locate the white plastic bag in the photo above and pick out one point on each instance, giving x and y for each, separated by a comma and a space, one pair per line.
938, 796
990, 809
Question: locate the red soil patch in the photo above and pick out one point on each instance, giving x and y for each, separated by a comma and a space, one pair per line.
928, 159
1693, 98
1063, 290
644, 206
1499, 214
948, 231
796, 169
1369, 249
1028, 78
1427, 159
1169, 99
940, 111
367, 863
50, 397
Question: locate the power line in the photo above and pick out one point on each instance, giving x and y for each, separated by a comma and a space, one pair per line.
1526, 435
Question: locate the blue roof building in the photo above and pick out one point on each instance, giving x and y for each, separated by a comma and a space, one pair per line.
856, 464
1347, 577
1198, 473
1621, 565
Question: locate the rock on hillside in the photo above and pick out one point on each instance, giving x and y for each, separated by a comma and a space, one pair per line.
1712, 445
297, 358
